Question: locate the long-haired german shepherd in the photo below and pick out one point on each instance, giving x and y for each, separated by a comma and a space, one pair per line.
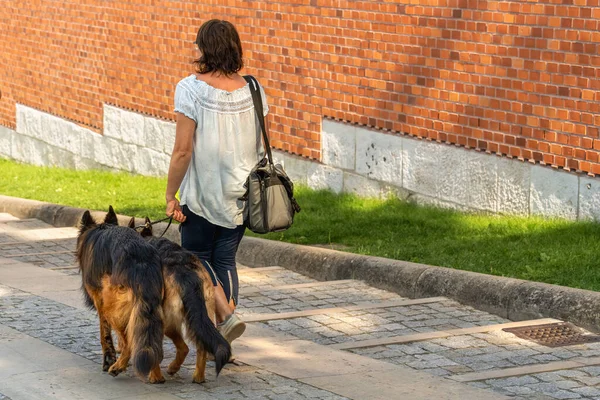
122, 280
189, 300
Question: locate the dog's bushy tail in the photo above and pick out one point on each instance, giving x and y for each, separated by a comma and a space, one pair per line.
146, 336
199, 325
145, 327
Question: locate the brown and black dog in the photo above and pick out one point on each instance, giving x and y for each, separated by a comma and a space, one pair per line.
122, 280
189, 301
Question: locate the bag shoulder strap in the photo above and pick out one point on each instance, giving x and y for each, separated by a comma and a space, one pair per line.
258, 108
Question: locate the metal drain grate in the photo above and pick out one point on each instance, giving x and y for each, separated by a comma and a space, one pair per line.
554, 335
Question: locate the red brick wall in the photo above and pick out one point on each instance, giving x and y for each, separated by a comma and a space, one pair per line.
513, 77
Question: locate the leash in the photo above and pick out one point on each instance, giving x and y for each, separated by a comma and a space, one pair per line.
148, 224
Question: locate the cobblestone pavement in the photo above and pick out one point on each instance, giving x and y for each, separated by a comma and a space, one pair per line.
383, 322
76, 331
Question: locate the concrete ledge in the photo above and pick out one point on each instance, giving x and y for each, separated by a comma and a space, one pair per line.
514, 299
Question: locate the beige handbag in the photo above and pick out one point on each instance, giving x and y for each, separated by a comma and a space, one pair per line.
269, 199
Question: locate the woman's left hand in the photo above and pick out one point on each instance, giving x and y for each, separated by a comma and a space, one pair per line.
174, 210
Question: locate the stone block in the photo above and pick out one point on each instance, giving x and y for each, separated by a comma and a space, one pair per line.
323, 177
88, 141
126, 156
482, 176
296, 167
112, 122
60, 158
513, 186
420, 166
29, 150
435, 202
29, 121
53, 128
132, 127
553, 193
361, 186
100, 153
151, 162
72, 135
21, 119
167, 129
379, 156
392, 191
589, 198
453, 174
153, 134
80, 163
114, 154
338, 144
6, 138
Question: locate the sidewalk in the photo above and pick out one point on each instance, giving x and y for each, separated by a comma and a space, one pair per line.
49, 344
305, 339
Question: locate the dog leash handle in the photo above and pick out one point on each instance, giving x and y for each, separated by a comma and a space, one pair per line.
167, 228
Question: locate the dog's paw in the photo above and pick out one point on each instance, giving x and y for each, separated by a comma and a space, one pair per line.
173, 369
109, 360
198, 379
156, 379
114, 370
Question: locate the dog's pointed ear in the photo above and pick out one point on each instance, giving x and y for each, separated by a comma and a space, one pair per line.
86, 221
131, 223
111, 217
147, 230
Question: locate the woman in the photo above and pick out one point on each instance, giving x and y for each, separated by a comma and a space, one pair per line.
217, 143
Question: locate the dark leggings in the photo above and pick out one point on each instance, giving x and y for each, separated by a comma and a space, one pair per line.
217, 246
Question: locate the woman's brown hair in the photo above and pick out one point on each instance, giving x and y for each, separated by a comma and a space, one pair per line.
220, 48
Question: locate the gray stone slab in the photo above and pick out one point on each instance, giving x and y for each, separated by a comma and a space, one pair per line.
398, 384
420, 163
325, 177
338, 143
482, 179
73, 298
361, 186
513, 186
379, 156
21, 354
33, 279
76, 382
553, 193
589, 198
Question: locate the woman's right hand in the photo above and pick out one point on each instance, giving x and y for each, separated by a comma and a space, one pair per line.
174, 210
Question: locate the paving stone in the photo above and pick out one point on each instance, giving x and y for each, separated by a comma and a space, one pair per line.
61, 325
592, 371
587, 391
513, 381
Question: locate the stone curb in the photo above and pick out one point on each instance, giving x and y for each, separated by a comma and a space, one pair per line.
514, 299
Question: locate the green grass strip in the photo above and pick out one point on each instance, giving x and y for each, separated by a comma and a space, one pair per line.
553, 251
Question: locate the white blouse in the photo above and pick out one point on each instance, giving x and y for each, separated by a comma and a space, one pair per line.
227, 145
